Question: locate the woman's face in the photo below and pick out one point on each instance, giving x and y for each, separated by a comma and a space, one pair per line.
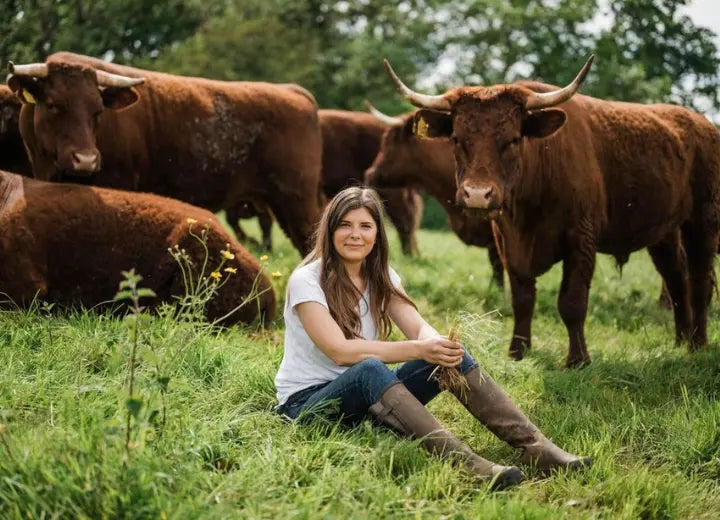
355, 237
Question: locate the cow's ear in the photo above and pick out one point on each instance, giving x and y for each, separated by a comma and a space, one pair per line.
429, 124
543, 123
118, 97
26, 88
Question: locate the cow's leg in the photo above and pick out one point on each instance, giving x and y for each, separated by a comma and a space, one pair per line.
296, 215
664, 300
266, 221
669, 259
523, 302
233, 219
402, 208
497, 265
578, 267
700, 244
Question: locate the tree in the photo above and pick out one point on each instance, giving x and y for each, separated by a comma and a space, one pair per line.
115, 29
647, 52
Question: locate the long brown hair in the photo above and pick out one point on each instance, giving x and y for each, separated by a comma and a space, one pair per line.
341, 294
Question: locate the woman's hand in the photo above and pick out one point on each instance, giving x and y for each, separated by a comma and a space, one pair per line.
438, 350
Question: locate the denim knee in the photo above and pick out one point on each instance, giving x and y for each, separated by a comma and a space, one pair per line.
374, 377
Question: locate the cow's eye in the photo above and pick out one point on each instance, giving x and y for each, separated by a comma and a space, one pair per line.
53, 109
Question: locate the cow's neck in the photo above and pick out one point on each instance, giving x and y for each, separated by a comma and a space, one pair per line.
438, 179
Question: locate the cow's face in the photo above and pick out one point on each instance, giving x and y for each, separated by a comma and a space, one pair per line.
488, 129
398, 159
66, 105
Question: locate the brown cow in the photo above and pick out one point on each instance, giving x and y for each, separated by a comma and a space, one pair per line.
68, 244
210, 143
12, 151
351, 141
404, 160
594, 175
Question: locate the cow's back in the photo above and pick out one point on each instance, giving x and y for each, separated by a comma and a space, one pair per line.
632, 168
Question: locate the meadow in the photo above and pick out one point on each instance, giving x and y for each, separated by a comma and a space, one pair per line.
206, 442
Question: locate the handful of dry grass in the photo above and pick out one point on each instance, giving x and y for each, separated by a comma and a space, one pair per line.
450, 378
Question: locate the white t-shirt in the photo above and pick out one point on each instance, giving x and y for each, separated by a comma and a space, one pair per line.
304, 364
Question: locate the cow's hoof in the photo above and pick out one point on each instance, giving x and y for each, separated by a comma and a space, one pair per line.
517, 353
581, 362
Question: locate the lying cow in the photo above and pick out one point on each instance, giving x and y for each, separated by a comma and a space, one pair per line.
68, 244
209, 143
593, 175
404, 160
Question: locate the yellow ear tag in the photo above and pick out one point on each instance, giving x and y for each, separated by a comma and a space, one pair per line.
421, 128
27, 97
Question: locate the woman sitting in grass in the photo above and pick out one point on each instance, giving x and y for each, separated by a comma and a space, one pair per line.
341, 298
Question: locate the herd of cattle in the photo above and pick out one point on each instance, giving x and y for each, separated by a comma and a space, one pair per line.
534, 173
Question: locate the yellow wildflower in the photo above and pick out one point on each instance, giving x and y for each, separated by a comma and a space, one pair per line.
230, 270
264, 257
227, 255
276, 274
216, 275
191, 221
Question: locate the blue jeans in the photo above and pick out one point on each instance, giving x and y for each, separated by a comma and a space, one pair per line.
359, 387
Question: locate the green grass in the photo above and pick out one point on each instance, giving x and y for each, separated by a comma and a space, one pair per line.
647, 411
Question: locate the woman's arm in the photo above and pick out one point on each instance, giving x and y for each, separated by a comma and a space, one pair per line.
324, 331
409, 320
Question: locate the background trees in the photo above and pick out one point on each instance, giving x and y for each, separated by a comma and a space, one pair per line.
646, 49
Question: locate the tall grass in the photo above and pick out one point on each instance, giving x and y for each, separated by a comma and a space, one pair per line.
647, 411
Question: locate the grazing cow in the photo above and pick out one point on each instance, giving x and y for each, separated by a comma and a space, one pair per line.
351, 141
592, 175
209, 143
405, 160
12, 151
67, 244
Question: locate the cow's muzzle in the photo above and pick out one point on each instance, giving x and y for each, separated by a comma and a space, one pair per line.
86, 162
480, 196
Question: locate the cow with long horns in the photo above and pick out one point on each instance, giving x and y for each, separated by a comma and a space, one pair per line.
564, 176
405, 160
210, 143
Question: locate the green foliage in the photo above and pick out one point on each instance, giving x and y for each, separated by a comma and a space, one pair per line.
645, 410
120, 29
648, 51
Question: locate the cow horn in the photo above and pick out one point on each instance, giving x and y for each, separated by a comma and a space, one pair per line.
540, 100
36, 70
107, 79
417, 99
388, 120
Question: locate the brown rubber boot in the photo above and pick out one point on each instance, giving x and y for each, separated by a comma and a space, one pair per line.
400, 409
493, 408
